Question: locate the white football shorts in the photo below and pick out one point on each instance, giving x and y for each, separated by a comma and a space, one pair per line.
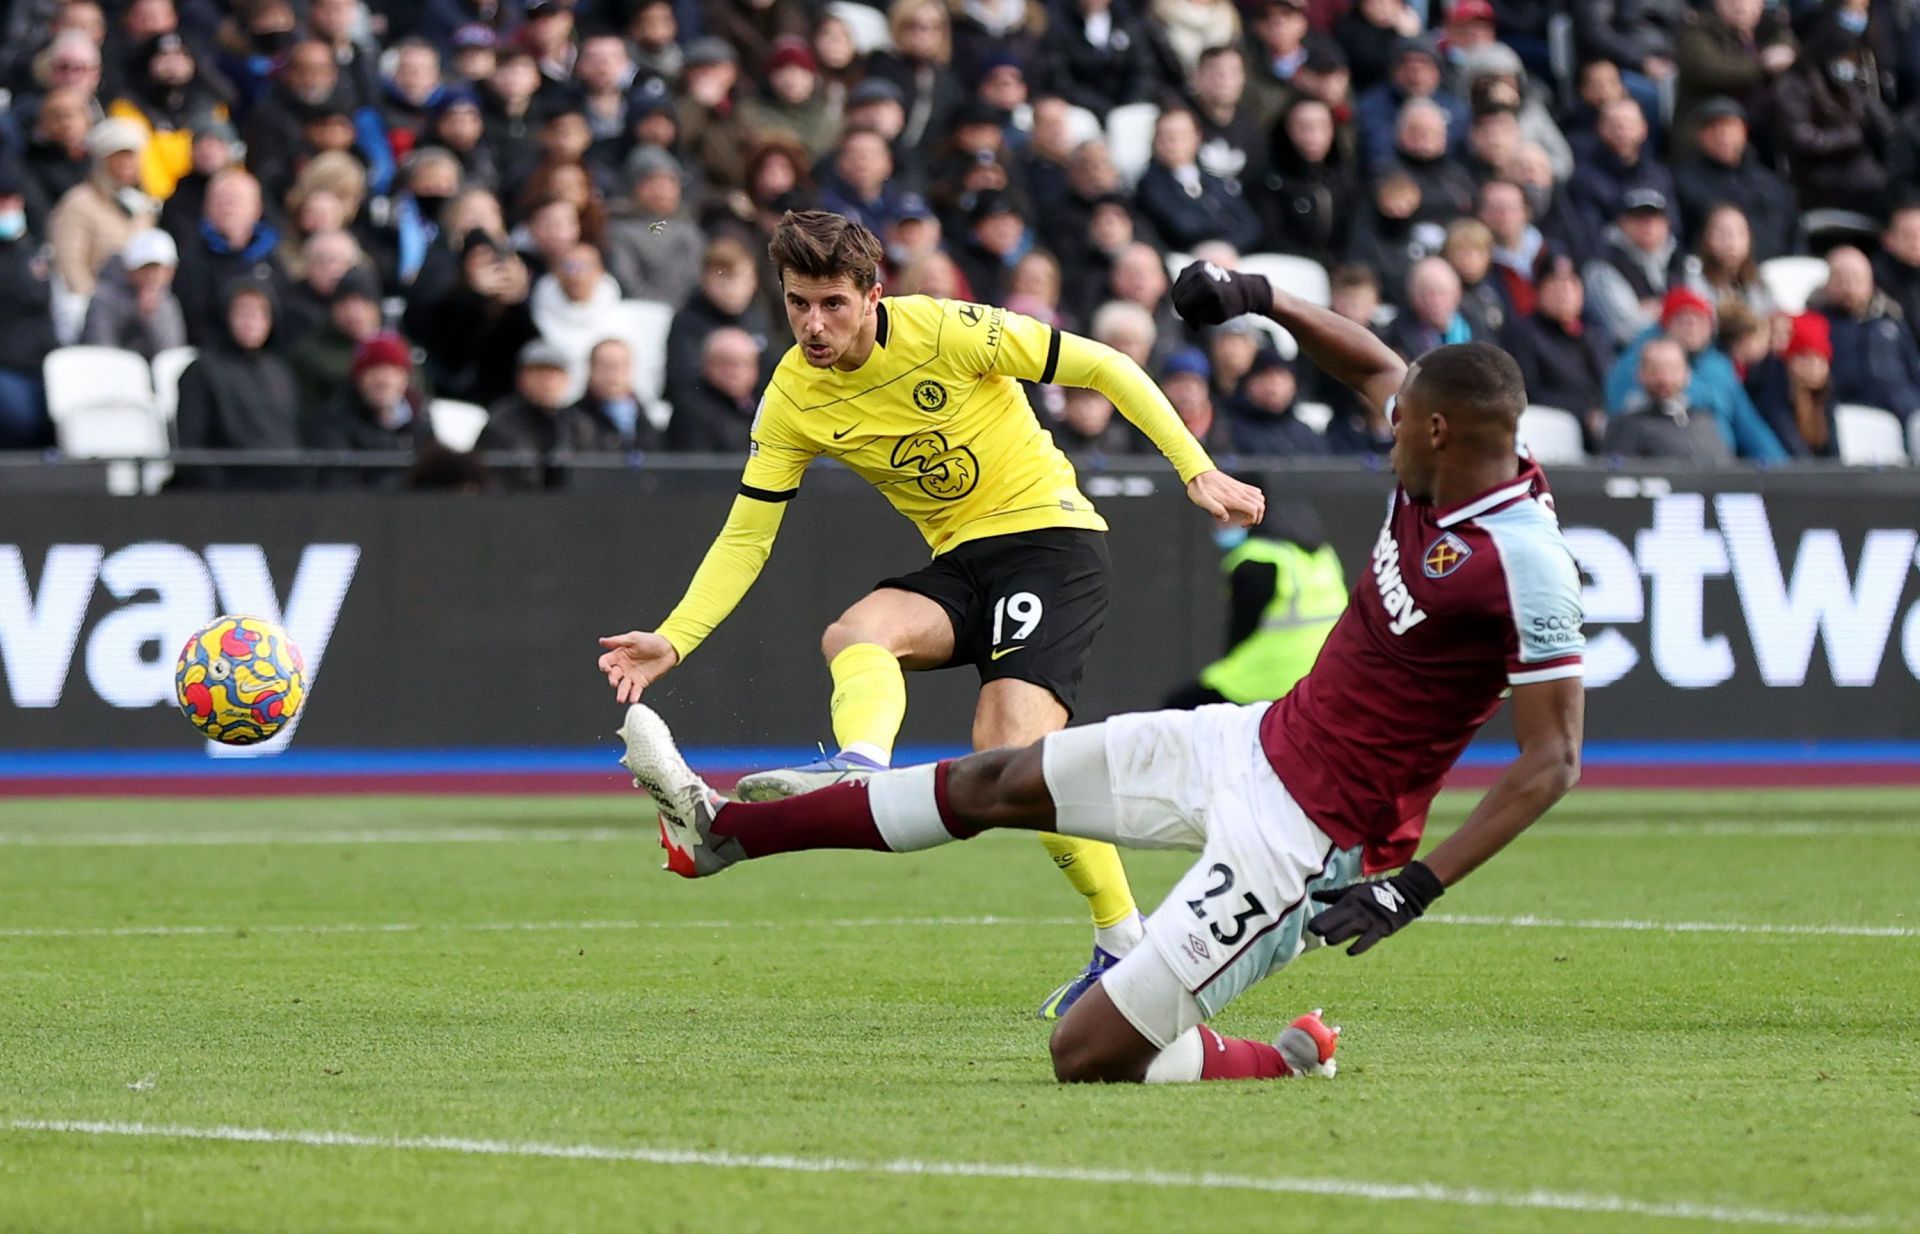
1198, 780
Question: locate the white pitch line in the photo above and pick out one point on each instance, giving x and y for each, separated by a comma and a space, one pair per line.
1339, 1188
1528, 922
1523, 922
422, 835
575, 835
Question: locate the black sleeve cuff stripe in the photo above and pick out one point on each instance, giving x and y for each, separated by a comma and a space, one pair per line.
767, 494
1053, 357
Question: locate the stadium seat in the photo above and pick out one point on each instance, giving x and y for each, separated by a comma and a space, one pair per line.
867, 25
167, 367
1130, 138
1552, 435
456, 425
1913, 438
1869, 436
1176, 262
1825, 229
644, 325
1302, 276
102, 406
1790, 280
1283, 342
1082, 126
1315, 416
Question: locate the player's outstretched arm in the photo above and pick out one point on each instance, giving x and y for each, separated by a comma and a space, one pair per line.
635, 660
1093, 365
1548, 718
1206, 295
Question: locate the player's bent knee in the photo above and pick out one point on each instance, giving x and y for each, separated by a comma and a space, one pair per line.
1080, 1058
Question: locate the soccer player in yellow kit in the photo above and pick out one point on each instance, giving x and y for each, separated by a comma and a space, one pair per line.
921, 397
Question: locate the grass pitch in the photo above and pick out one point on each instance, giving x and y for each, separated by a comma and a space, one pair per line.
496, 1014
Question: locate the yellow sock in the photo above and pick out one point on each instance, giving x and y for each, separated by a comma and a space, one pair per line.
869, 700
1094, 869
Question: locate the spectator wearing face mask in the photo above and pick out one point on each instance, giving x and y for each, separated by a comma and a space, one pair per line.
169, 99
1832, 127
93, 222
26, 321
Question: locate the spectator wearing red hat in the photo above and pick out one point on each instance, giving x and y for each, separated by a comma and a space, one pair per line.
1687, 318
379, 408
793, 101
1794, 390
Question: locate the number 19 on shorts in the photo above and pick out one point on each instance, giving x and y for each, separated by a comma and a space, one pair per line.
1015, 618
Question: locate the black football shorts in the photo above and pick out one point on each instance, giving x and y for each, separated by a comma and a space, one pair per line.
1024, 607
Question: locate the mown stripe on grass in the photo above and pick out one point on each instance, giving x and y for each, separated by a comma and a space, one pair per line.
1521, 922
1340, 1188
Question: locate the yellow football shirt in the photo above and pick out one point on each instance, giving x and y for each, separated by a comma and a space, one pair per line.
936, 420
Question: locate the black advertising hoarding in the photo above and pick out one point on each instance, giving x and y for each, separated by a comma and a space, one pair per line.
1781, 606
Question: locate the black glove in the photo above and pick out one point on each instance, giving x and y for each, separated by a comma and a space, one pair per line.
1206, 295
1371, 911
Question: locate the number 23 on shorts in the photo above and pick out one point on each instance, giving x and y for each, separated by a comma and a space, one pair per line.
1219, 883
1015, 618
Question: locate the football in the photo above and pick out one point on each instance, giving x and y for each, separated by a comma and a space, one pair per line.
240, 680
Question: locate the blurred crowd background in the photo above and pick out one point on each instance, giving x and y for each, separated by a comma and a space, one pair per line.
443, 225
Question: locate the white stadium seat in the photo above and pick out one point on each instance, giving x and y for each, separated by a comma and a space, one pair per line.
1869, 436
1176, 262
1791, 280
1302, 276
867, 25
1552, 435
167, 367
456, 425
102, 406
644, 325
1082, 126
1130, 138
1284, 344
1315, 416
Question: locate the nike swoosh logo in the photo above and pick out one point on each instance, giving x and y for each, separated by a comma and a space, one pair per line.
843, 432
1008, 651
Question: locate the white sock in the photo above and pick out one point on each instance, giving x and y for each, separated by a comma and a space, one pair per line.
1119, 938
1180, 1062
905, 811
867, 750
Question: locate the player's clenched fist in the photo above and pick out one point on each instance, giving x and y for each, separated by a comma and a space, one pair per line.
635, 660
1371, 911
1206, 295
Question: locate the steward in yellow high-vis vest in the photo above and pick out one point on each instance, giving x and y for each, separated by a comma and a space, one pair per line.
1285, 590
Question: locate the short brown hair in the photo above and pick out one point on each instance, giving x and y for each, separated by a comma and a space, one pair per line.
819, 244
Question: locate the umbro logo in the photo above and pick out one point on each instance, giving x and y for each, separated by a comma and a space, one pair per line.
1215, 272
1388, 897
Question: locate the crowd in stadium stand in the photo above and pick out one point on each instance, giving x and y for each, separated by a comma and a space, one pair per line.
559, 212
